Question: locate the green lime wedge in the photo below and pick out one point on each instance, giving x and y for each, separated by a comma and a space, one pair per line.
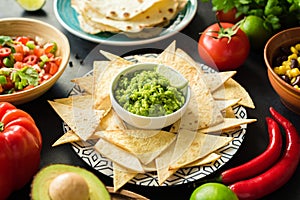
175, 78
31, 5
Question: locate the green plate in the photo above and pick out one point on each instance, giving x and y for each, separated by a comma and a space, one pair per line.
67, 17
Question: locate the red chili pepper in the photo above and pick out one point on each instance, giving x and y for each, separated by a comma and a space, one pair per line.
30, 59
259, 163
280, 173
5, 51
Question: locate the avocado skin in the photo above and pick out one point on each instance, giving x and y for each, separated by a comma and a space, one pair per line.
42, 180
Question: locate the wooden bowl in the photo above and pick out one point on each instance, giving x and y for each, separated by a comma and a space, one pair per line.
45, 32
289, 95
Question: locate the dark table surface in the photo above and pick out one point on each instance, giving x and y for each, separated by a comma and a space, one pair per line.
252, 76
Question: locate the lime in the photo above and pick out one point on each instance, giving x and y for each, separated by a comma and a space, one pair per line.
31, 5
175, 78
213, 191
255, 29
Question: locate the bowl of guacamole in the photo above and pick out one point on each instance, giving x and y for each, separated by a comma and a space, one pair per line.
149, 95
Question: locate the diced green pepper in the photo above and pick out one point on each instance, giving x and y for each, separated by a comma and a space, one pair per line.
30, 45
8, 62
3, 79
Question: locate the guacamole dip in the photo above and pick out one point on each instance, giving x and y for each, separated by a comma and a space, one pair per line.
148, 93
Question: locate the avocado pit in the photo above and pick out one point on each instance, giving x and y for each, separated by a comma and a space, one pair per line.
69, 186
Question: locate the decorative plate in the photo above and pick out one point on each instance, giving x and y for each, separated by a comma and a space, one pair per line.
86, 151
67, 17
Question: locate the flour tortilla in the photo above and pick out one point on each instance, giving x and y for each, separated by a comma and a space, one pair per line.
119, 156
156, 14
121, 10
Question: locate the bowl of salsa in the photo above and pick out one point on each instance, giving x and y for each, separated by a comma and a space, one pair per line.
33, 55
149, 95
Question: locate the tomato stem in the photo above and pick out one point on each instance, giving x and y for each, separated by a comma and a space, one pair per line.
227, 32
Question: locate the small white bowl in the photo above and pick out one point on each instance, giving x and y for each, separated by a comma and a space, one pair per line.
144, 122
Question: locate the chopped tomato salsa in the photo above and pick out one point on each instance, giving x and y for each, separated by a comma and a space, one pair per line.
26, 63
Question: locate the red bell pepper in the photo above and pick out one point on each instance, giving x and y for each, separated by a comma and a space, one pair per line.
20, 147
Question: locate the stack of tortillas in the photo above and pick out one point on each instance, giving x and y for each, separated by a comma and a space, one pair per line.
133, 18
191, 141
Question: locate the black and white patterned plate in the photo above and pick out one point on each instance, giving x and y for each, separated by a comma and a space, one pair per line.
86, 152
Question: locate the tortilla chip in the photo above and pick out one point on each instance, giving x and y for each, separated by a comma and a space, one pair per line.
82, 121
119, 156
144, 144
111, 121
168, 54
68, 137
216, 80
228, 113
233, 90
202, 110
84, 83
202, 145
121, 176
103, 82
162, 164
183, 142
207, 159
228, 124
226, 103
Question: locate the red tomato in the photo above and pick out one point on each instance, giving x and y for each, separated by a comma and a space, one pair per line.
19, 48
53, 68
229, 16
22, 39
18, 57
46, 77
222, 48
38, 51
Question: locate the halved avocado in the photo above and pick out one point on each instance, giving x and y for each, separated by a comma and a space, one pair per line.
42, 180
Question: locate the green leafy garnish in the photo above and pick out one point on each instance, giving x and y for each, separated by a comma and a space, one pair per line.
5, 40
24, 77
272, 11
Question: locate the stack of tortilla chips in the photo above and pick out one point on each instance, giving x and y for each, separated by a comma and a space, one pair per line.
191, 141
140, 19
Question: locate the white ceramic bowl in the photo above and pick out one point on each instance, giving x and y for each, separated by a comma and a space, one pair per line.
45, 32
144, 122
